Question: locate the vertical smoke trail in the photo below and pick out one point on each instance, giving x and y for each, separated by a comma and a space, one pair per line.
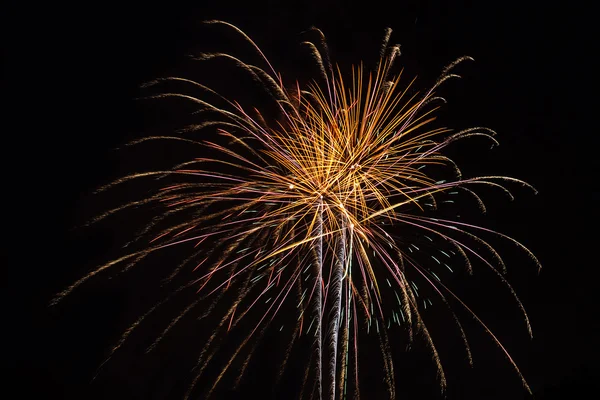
336, 302
318, 233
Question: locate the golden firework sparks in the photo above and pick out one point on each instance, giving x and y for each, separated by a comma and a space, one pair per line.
309, 206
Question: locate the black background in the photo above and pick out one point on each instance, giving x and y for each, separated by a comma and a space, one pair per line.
72, 72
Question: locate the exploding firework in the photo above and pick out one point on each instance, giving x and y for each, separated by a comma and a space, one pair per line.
323, 214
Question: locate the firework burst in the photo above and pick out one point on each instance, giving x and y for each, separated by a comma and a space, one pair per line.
305, 211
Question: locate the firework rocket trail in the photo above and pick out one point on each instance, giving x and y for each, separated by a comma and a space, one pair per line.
302, 207
318, 248
335, 314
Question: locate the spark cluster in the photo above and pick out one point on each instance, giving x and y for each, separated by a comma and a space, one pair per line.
307, 210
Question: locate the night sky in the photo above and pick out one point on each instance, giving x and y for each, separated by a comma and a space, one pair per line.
71, 78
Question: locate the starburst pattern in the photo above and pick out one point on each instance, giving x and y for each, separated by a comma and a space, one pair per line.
306, 210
